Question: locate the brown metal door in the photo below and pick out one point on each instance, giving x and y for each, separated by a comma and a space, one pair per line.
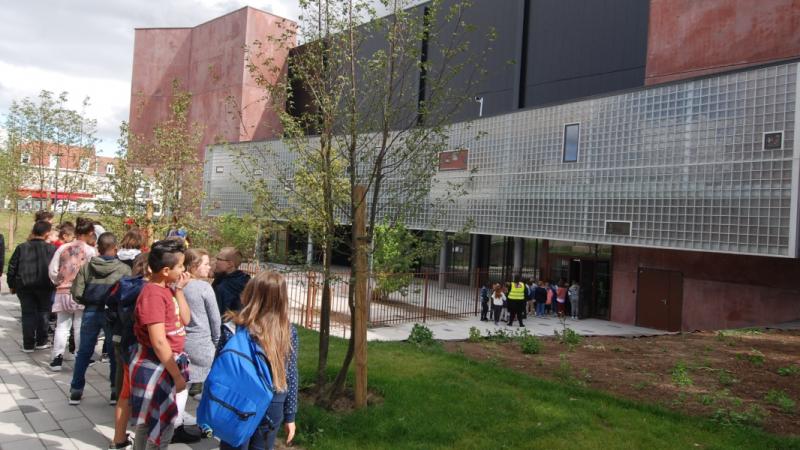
660, 299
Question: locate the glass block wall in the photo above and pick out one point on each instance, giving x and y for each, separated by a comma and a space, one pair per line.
683, 163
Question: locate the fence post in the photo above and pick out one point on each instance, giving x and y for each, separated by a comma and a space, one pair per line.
477, 289
425, 297
310, 297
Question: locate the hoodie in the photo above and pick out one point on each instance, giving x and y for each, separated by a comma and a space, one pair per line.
95, 280
228, 288
127, 255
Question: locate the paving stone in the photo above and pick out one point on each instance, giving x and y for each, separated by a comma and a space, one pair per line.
27, 444
61, 410
10, 432
47, 395
13, 416
7, 403
88, 439
56, 440
42, 421
20, 394
76, 424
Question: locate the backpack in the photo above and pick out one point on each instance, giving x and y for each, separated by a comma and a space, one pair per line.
237, 391
120, 306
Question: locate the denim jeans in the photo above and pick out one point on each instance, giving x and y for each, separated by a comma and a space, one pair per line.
264, 437
35, 308
93, 321
540, 309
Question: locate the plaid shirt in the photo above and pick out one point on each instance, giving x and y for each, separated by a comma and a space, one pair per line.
153, 392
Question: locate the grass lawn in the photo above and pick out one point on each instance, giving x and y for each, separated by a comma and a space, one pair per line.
434, 399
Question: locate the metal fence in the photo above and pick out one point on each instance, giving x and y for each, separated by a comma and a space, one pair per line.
415, 297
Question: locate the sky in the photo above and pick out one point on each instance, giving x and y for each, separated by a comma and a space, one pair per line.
85, 47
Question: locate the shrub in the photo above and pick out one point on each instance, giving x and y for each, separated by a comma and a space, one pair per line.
474, 334
790, 370
680, 374
569, 337
530, 345
421, 336
753, 416
780, 399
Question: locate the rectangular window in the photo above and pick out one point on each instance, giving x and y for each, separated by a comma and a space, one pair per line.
773, 140
618, 227
572, 135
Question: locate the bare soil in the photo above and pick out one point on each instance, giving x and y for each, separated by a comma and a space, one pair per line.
705, 373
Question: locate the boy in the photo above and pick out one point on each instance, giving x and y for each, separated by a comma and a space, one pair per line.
158, 369
66, 234
27, 277
229, 281
91, 288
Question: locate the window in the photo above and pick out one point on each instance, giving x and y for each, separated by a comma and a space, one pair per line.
84, 164
572, 134
219, 169
53, 161
109, 169
773, 140
25, 158
618, 227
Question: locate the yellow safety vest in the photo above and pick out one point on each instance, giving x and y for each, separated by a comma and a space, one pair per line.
517, 291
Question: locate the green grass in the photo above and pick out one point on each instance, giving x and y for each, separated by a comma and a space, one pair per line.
438, 400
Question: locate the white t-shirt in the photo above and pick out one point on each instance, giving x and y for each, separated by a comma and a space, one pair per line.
498, 301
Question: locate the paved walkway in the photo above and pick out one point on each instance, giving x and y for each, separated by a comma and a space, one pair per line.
34, 412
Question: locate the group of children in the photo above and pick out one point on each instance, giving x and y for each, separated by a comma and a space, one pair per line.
161, 320
517, 299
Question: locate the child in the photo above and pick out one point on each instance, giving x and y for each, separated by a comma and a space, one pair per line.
64, 267
66, 234
484, 301
498, 300
561, 298
265, 315
158, 368
574, 300
91, 288
121, 305
27, 277
131, 246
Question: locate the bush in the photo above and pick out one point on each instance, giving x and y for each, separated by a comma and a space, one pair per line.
474, 334
530, 345
421, 336
569, 337
790, 370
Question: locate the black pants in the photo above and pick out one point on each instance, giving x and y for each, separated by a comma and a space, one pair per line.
496, 311
515, 309
35, 306
484, 309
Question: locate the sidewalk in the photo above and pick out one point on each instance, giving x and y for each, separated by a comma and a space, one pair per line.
34, 413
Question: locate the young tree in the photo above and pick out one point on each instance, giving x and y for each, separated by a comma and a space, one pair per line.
13, 175
55, 140
126, 183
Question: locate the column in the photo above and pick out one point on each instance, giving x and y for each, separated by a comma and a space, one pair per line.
310, 251
516, 267
473, 260
443, 262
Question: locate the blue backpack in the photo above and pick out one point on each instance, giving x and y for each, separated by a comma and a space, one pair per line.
237, 391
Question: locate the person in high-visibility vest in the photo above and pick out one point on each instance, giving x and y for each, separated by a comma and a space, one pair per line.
516, 301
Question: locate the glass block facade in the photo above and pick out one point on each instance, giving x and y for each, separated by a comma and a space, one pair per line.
685, 164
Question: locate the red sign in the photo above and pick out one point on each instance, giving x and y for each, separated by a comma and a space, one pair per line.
454, 160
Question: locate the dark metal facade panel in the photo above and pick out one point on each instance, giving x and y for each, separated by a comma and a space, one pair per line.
578, 48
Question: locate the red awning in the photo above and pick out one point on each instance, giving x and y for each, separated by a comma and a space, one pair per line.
52, 195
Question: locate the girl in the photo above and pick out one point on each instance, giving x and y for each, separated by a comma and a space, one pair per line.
265, 314
131, 246
561, 298
498, 300
202, 333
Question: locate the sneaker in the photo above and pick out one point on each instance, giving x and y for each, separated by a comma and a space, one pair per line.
55, 366
186, 435
75, 397
44, 346
104, 358
128, 443
195, 389
113, 400
91, 363
27, 350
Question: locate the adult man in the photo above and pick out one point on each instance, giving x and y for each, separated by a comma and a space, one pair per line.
27, 277
516, 301
229, 281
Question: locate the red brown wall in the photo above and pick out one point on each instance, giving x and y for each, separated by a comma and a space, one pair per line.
209, 60
719, 290
688, 38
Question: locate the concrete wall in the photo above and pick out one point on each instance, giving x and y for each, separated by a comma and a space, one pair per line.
719, 290
209, 60
688, 38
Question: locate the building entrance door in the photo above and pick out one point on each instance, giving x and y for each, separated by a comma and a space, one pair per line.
659, 299
594, 277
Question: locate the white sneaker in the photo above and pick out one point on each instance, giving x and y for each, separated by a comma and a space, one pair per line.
42, 347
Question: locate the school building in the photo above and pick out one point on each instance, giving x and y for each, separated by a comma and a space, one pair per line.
645, 148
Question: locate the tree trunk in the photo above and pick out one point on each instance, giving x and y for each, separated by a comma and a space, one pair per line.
12, 227
324, 320
338, 383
